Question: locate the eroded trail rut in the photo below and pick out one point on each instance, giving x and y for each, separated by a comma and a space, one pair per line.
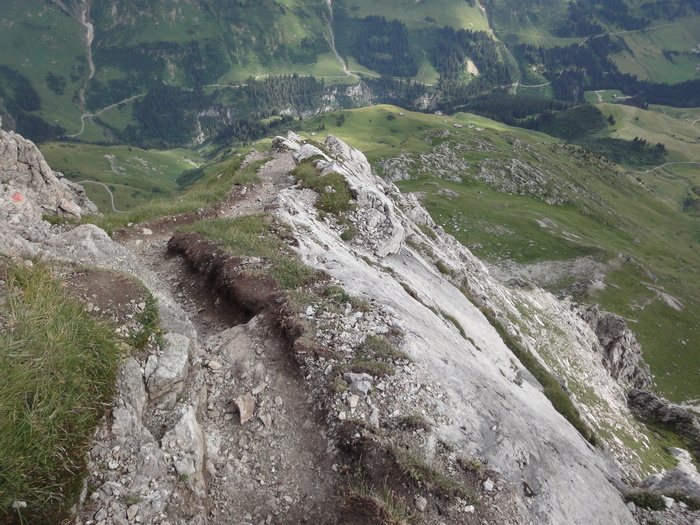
277, 465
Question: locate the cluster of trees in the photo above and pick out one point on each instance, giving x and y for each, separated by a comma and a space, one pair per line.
401, 92
280, 92
576, 68
378, 44
515, 110
635, 152
166, 115
18, 99
579, 23
247, 129
671, 9
454, 47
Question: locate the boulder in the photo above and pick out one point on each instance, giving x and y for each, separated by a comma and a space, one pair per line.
170, 373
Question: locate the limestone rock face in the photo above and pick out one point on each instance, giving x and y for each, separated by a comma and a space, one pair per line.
620, 352
484, 404
30, 189
378, 226
170, 372
28, 185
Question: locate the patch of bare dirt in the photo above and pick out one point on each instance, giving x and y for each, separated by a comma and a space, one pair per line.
114, 296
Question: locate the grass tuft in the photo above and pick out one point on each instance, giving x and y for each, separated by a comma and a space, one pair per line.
380, 506
148, 321
333, 191
691, 502
378, 347
57, 372
646, 500
419, 470
258, 236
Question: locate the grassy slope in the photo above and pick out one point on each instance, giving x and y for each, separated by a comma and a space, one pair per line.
611, 214
677, 129
645, 56
133, 174
37, 37
454, 13
57, 374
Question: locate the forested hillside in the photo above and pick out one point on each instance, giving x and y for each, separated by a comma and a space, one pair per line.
121, 72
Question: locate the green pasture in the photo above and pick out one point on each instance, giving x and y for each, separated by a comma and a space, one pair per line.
132, 174
428, 13
37, 37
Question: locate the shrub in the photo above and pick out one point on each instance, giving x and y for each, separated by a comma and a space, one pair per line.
646, 500
332, 188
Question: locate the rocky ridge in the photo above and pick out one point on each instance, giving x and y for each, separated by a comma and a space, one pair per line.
216, 425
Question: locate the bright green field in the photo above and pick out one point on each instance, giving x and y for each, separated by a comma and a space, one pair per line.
133, 175
377, 134
645, 57
326, 67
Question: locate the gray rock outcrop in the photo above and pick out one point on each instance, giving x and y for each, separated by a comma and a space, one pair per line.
620, 352
684, 478
648, 405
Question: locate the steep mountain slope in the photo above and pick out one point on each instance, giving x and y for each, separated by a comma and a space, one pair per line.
555, 215
447, 419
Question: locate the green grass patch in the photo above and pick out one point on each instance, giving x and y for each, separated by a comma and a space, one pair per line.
415, 467
380, 506
362, 365
415, 422
132, 174
452, 319
379, 347
341, 297
149, 326
204, 194
333, 191
57, 373
258, 236
646, 500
